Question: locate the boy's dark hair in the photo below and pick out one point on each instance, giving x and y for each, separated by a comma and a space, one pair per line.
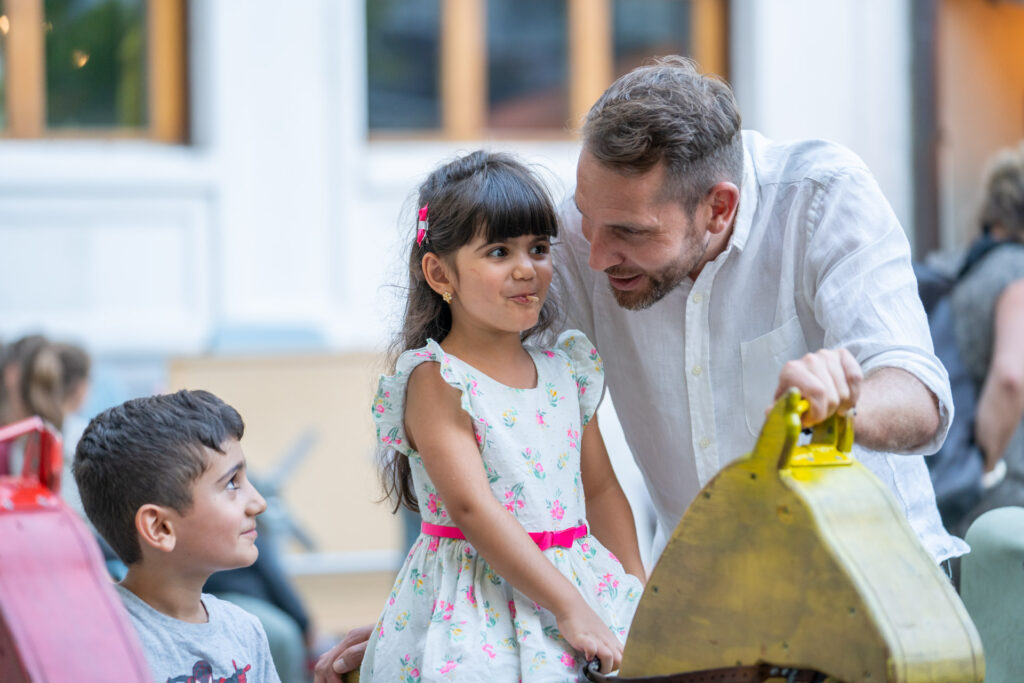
148, 450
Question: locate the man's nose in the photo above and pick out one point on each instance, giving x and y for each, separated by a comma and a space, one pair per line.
601, 256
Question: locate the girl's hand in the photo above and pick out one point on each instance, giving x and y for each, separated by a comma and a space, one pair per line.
587, 633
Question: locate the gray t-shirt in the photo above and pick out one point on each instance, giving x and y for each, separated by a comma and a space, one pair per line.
230, 647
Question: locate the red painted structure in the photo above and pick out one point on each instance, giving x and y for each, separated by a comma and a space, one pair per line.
60, 619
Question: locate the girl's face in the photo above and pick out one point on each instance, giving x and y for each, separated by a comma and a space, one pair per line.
501, 286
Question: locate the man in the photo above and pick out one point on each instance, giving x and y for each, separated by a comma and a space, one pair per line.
714, 269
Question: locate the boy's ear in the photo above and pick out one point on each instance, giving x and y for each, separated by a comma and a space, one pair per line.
436, 273
155, 528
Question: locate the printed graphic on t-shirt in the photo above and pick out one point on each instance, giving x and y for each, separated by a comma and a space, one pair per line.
202, 672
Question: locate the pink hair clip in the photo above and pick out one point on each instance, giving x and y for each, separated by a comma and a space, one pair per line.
422, 225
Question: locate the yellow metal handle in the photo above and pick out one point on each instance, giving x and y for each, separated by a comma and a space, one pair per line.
831, 441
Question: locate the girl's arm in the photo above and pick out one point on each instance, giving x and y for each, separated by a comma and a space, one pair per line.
608, 511
443, 434
1001, 404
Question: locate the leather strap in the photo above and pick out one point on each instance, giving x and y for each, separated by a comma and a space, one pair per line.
757, 673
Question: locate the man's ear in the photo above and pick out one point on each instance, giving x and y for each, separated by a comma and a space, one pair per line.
155, 527
437, 273
723, 199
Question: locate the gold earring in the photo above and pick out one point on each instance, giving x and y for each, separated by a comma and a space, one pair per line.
447, 296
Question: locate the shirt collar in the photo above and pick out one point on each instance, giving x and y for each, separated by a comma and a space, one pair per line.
748, 199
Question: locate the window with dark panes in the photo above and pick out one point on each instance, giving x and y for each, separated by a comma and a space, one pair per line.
466, 69
402, 57
646, 28
88, 68
527, 64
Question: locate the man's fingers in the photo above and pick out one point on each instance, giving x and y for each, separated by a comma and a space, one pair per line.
351, 658
360, 634
854, 376
344, 657
829, 379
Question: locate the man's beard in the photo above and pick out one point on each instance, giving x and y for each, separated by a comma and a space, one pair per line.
663, 281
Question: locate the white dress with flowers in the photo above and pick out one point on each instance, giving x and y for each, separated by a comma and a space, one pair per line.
449, 616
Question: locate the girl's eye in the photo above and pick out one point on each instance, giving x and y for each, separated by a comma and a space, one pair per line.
541, 248
498, 252
233, 484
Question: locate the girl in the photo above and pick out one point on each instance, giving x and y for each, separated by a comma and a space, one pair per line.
486, 440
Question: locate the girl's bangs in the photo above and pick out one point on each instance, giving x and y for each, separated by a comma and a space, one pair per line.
514, 206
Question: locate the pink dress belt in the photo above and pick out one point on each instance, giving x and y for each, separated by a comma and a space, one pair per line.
543, 539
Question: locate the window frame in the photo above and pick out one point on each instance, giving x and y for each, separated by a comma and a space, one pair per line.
25, 71
463, 65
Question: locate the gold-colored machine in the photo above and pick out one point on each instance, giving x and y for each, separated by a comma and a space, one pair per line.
796, 563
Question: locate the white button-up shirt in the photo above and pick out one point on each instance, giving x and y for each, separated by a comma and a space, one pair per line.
816, 259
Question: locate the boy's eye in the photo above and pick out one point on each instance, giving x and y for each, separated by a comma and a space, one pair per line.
233, 484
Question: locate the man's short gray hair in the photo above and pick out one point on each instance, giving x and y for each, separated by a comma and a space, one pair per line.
668, 111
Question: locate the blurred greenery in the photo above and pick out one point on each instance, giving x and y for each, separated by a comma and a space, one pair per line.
96, 64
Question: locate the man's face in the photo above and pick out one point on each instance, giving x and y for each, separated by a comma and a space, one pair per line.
645, 244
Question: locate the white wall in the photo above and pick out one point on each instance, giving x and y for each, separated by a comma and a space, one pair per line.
838, 70
282, 215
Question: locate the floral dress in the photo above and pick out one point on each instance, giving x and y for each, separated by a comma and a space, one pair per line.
449, 616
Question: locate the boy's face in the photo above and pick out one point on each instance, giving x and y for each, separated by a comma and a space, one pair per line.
219, 530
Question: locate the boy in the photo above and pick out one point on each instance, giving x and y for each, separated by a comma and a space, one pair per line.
163, 480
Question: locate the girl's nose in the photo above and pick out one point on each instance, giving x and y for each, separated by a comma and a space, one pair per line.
523, 269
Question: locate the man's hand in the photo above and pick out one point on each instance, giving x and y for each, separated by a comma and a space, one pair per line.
829, 379
344, 657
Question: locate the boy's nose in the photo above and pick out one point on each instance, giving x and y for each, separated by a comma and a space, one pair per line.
257, 503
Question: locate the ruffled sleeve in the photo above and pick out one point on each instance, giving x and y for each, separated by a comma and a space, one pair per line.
388, 407
587, 369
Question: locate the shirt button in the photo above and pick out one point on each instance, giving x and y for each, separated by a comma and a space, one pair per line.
698, 297
697, 370
705, 442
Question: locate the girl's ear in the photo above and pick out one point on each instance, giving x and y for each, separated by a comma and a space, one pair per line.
154, 526
437, 273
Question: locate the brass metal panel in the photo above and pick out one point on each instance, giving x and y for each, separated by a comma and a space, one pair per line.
784, 561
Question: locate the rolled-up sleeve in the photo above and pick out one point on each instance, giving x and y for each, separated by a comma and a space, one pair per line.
864, 290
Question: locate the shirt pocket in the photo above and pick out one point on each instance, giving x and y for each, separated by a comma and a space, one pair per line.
762, 359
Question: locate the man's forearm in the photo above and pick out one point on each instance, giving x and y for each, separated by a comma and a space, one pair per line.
896, 412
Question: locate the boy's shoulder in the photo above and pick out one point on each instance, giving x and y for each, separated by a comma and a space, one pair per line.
231, 641
222, 614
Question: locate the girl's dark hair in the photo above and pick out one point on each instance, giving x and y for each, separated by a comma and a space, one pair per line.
39, 370
489, 193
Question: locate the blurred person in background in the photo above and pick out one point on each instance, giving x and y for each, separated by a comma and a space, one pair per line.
30, 384
988, 321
